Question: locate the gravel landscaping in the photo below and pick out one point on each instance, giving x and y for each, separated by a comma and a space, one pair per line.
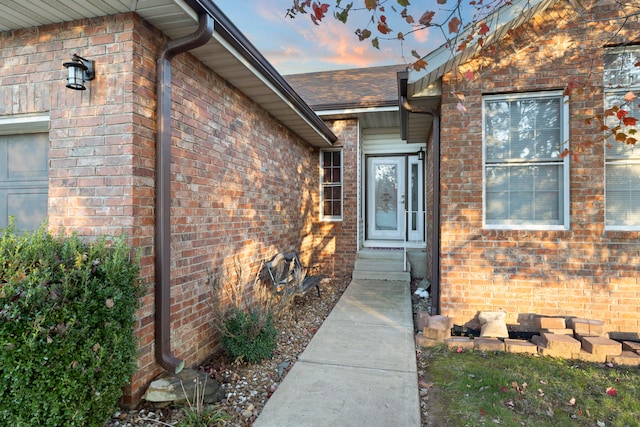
248, 387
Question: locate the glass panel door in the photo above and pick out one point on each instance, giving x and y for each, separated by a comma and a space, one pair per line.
386, 198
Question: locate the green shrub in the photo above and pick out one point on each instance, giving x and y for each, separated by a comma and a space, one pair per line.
249, 337
67, 345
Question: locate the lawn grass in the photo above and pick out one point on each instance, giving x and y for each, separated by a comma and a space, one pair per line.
477, 388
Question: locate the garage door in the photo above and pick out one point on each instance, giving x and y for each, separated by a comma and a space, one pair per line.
24, 179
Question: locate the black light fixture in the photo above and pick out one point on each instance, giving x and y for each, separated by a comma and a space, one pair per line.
420, 154
80, 70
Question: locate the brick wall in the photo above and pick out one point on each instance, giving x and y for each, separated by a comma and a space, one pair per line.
585, 271
337, 240
243, 186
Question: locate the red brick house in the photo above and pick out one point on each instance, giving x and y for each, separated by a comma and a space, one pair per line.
187, 140
512, 223
193, 145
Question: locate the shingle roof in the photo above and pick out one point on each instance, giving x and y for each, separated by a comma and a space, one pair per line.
352, 88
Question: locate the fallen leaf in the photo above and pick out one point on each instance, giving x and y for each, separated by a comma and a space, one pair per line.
540, 392
612, 391
572, 401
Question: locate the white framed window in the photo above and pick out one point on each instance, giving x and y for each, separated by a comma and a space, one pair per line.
331, 194
525, 177
24, 171
622, 161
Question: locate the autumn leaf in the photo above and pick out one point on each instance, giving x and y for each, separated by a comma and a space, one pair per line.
364, 34
319, 10
468, 75
442, 1
426, 18
371, 4
403, 3
629, 121
382, 25
631, 141
572, 401
630, 96
419, 65
612, 391
454, 25
621, 114
484, 29
375, 43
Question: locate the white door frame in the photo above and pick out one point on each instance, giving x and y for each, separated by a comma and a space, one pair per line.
385, 197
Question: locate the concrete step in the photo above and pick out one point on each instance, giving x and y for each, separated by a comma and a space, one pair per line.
380, 265
381, 254
380, 275
375, 264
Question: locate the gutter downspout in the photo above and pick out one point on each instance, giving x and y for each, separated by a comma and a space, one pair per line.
435, 235
163, 190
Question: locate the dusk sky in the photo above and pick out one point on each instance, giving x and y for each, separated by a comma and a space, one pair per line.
298, 46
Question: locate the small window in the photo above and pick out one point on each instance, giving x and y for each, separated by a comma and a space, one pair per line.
24, 180
526, 180
622, 163
331, 185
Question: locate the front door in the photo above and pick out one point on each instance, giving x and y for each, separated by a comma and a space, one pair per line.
386, 198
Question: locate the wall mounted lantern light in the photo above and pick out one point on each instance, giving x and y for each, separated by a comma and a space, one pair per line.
80, 70
420, 154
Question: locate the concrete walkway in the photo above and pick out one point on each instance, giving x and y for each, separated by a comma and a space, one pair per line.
360, 367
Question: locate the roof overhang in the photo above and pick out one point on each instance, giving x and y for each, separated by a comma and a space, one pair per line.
423, 89
228, 53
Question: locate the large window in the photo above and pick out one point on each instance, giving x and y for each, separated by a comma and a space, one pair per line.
526, 179
331, 185
622, 163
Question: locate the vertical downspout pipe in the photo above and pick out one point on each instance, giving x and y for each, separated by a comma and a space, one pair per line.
164, 356
435, 235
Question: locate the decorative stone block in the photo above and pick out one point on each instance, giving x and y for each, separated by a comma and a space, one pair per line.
488, 344
520, 346
590, 357
626, 358
454, 343
587, 327
437, 334
631, 346
563, 331
601, 346
550, 322
422, 319
439, 322
561, 343
424, 342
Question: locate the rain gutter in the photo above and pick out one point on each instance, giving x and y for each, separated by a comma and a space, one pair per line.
201, 36
406, 107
